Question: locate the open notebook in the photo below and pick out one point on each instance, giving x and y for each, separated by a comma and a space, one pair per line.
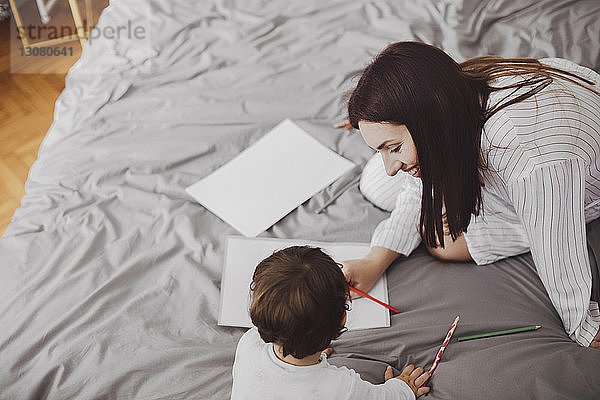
243, 255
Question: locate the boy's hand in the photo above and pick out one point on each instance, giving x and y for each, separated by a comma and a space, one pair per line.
414, 377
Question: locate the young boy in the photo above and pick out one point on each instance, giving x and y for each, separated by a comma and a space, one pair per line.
299, 303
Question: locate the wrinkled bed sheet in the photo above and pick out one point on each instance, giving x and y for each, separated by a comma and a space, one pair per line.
110, 272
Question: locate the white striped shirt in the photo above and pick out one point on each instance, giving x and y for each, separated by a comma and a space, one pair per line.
543, 186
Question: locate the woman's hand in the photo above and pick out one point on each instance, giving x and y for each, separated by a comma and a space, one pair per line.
596, 341
364, 272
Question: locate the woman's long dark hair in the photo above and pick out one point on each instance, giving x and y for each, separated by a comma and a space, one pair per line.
444, 106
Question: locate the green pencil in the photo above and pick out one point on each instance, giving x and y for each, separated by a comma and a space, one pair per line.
498, 333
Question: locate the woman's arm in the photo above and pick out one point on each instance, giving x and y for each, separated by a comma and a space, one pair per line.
453, 250
364, 272
550, 203
399, 234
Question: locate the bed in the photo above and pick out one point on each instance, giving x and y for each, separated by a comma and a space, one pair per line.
110, 272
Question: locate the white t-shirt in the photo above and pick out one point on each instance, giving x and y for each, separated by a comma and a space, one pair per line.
259, 374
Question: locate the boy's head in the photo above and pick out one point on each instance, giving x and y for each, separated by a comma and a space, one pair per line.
299, 300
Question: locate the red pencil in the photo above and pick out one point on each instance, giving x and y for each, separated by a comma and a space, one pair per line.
374, 299
441, 350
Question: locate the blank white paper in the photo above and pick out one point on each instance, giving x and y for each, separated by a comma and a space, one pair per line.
243, 255
269, 179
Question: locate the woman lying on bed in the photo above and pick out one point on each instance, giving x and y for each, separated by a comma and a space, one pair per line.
508, 156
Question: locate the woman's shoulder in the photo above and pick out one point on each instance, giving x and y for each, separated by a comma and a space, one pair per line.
570, 66
504, 86
541, 109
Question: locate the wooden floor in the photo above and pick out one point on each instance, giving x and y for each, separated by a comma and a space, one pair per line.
26, 113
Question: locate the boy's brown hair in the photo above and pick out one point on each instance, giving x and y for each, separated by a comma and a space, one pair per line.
299, 299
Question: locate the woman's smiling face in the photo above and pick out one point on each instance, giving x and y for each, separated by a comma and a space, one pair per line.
395, 144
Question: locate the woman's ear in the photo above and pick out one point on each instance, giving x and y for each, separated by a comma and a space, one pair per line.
344, 319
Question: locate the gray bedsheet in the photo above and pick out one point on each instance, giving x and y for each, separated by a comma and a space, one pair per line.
110, 273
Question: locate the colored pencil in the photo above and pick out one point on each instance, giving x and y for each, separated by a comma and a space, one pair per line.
441, 350
374, 299
498, 333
